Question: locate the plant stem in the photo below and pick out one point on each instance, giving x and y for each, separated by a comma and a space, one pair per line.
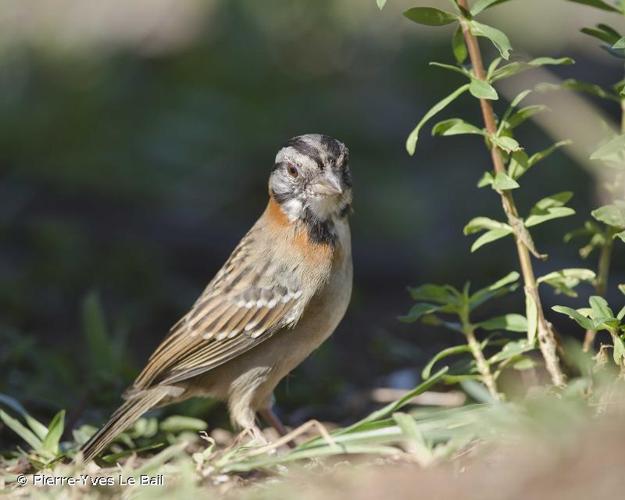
546, 336
601, 285
614, 333
482, 365
603, 271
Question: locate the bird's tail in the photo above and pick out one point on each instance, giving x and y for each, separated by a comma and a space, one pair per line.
123, 418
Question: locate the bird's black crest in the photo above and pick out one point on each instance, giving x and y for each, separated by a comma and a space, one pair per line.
332, 146
307, 149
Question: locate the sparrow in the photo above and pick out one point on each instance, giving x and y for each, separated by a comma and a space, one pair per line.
280, 294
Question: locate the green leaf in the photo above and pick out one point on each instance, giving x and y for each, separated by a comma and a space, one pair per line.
430, 16
83, 433
620, 236
511, 350
450, 351
19, 429
502, 286
179, 423
618, 352
419, 310
619, 53
481, 5
497, 37
509, 322
610, 150
523, 114
504, 182
503, 123
550, 61
482, 223
609, 29
508, 279
601, 311
155, 462
439, 294
489, 237
391, 408
411, 142
612, 215
416, 443
518, 98
619, 44
517, 67
621, 314
494, 230
486, 180
600, 34
436, 321
477, 390
524, 363
571, 84
596, 238
508, 144
458, 46
581, 320
508, 70
37, 427
144, 427
381, 4
549, 214
518, 164
541, 155
622, 288
531, 312
599, 4
458, 379
55, 431
492, 67
455, 126
590, 228
482, 90
550, 208
566, 280
451, 67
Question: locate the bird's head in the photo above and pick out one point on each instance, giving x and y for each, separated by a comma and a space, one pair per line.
312, 178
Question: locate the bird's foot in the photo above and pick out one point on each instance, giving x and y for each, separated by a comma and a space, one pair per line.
251, 436
290, 437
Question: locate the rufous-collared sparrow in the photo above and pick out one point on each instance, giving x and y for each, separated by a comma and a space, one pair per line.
281, 293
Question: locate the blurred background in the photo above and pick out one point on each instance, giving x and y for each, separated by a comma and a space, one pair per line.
136, 140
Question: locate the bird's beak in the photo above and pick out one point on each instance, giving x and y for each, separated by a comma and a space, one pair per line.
329, 185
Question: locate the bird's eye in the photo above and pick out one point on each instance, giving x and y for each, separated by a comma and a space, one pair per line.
292, 170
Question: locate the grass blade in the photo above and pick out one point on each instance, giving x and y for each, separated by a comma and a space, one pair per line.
21, 430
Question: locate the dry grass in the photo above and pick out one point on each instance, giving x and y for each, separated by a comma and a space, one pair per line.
544, 447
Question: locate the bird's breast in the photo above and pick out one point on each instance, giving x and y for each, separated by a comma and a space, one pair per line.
326, 308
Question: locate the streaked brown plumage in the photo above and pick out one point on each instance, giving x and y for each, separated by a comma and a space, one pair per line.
281, 293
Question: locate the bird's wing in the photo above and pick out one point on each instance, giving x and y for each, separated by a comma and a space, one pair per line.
250, 298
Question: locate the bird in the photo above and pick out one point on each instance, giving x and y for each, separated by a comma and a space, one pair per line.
281, 293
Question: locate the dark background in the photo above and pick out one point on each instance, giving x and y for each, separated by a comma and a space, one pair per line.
135, 151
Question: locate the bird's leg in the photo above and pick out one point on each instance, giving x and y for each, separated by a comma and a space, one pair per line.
288, 438
268, 415
270, 418
257, 435
254, 433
